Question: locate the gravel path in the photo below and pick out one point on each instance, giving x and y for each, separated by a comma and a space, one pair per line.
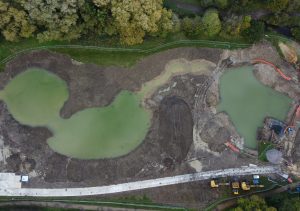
130, 186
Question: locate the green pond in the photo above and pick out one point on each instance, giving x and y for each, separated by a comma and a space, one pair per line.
36, 96
248, 102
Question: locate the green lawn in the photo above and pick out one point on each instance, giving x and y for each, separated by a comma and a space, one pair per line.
129, 202
34, 208
263, 147
105, 58
110, 52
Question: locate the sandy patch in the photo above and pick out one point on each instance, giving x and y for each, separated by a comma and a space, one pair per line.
197, 165
174, 68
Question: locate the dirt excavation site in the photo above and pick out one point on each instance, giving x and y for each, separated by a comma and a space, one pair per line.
179, 90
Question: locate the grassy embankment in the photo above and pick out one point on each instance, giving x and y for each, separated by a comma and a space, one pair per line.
263, 147
131, 202
109, 52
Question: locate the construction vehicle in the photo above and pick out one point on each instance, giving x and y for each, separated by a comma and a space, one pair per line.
255, 179
235, 185
214, 183
245, 185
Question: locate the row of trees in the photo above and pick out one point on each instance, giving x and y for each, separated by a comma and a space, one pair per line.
282, 201
231, 27
132, 20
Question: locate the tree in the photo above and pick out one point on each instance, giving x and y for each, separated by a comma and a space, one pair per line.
14, 23
192, 26
134, 19
291, 204
56, 19
293, 6
276, 5
94, 20
187, 25
296, 33
101, 3
255, 32
234, 25
165, 24
253, 203
211, 23
221, 3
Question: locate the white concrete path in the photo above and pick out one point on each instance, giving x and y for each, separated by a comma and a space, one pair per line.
130, 186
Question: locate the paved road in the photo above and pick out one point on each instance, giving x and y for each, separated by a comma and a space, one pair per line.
117, 188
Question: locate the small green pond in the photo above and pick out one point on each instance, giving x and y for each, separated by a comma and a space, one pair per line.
36, 96
248, 102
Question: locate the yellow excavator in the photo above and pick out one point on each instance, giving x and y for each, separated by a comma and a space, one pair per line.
246, 185
214, 183
235, 185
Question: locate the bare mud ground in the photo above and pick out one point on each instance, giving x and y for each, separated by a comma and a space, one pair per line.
184, 137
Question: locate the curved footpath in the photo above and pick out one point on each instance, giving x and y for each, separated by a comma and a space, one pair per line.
130, 186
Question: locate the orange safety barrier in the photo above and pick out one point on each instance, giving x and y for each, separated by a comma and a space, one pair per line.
274, 66
232, 147
298, 112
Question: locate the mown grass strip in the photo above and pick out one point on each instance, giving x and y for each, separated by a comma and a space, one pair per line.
136, 53
102, 203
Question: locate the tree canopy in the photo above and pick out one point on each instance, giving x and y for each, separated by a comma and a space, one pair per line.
253, 203
14, 23
255, 32
56, 19
134, 19
211, 23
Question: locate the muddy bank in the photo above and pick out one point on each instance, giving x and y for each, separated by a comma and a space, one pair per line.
161, 154
186, 134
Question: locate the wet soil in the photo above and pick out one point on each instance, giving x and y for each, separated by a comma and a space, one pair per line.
162, 152
169, 145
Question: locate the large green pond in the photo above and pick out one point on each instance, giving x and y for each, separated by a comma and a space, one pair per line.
36, 96
247, 102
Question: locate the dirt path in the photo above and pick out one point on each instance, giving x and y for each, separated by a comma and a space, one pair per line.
144, 184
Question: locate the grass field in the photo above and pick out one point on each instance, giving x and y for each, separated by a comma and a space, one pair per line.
130, 202
106, 53
263, 147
